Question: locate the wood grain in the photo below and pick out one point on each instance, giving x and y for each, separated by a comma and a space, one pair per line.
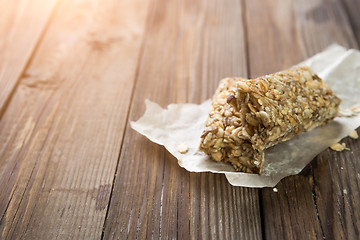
21, 25
73, 72
321, 24
61, 134
337, 191
274, 40
310, 203
189, 47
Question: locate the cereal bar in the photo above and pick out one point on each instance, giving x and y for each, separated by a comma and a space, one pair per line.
248, 116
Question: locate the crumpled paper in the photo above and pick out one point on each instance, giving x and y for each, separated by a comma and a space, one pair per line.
184, 123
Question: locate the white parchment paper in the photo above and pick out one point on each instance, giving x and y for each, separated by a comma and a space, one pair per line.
184, 123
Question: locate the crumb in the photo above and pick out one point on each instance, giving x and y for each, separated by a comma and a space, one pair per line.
345, 191
256, 163
339, 147
182, 148
354, 135
275, 189
355, 108
341, 168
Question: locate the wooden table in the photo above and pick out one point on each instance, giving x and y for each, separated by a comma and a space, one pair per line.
74, 72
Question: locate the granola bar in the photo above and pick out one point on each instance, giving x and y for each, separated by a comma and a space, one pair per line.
248, 116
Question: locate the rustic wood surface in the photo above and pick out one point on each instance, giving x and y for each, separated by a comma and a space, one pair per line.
62, 131
73, 73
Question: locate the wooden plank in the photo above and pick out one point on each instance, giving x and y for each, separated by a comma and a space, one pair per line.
189, 47
21, 25
321, 24
274, 42
352, 8
61, 135
337, 191
280, 35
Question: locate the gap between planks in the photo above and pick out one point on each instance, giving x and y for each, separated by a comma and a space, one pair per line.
9, 79
141, 52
